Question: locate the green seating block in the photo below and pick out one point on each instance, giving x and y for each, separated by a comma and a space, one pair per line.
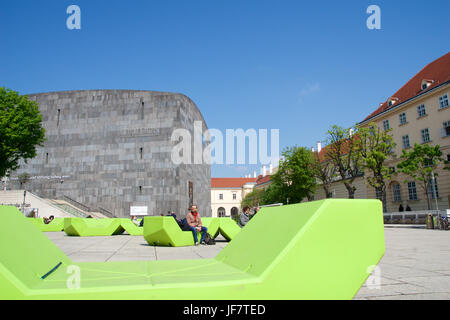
82, 227
55, 226
314, 250
131, 228
164, 231
212, 224
228, 228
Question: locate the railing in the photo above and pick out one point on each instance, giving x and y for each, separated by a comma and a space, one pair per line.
77, 204
411, 217
106, 212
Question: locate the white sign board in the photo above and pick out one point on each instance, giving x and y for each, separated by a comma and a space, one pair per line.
138, 211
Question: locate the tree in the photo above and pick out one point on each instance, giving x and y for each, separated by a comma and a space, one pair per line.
420, 163
375, 146
324, 171
294, 179
253, 199
342, 152
21, 130
23, 179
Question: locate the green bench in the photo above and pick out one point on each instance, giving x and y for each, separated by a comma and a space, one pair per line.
165, 231
83, 227
131, 228
314, 250
55, 226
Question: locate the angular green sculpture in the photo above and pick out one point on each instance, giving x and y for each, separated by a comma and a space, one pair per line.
82, 227
228, 228
131, 228
314, 250
55, 226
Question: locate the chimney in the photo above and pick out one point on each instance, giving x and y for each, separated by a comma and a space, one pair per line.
270, 169
264, 171
319, 146
254, 174
313, 149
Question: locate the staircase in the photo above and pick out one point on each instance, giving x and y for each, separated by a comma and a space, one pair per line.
46, 207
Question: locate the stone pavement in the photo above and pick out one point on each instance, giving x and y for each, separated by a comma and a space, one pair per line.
416, 264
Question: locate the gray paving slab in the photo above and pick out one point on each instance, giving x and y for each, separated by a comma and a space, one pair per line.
416, 264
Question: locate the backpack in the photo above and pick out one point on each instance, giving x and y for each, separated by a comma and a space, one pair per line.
209, 240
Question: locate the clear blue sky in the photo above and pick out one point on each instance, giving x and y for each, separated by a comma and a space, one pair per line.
297, 66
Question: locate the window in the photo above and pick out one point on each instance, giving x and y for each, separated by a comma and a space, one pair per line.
46, 158
378, 193
59, 114
433, 189
425, 135
234, 196
421, 111
443, 101
412, 190
424, 86
402, 118
141, 151
390, 103
140, 189
142, 110
221, 212
397, 192
386, 125
220, 196
405, 140
446, 129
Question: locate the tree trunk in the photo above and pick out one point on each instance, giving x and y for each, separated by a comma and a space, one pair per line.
351, 190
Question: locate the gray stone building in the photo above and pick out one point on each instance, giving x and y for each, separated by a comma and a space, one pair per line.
111, 149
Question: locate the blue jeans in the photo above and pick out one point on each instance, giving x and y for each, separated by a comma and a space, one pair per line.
194, 232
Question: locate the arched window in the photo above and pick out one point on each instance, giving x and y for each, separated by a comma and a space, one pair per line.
397, 192
221, 212
234, 212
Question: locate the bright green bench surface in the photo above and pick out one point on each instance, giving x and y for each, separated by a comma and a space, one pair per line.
131, 228
313, 250
228, 228
83, 227
56, 225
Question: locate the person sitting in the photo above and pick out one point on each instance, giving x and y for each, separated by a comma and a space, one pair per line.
244, 217
194, 223
400, 209
48, 220
408, 208
135, 220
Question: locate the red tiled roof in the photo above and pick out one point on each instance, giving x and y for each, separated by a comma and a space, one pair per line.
261, 180
438, 71
230, 182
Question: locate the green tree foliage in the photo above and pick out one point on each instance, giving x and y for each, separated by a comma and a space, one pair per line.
343, 154
23, 179
294, 179
20, 130
375, 146
420, 163
253, 198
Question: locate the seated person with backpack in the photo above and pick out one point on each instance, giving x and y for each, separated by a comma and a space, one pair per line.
194, 224
49, 219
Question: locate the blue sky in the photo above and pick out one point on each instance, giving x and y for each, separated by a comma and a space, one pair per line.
297, 66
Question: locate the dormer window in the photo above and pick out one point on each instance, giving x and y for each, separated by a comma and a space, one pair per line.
426, 83
392, 101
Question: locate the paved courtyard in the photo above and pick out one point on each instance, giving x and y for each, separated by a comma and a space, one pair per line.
416, 264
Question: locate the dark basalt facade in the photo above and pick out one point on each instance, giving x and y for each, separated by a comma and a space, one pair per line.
111, 149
